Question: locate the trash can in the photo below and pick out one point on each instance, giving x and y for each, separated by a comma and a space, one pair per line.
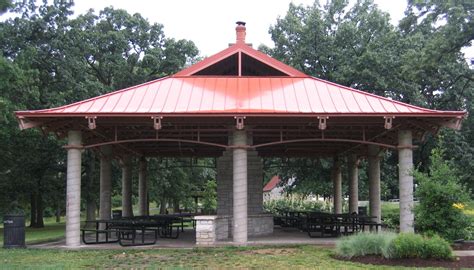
362, 210
116, 214
14, 231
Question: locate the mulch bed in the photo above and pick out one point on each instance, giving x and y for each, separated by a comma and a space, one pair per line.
459, 262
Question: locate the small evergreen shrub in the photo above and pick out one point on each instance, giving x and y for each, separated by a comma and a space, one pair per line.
364, 244
410, 245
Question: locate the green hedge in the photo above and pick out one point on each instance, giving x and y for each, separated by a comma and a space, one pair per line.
391, 245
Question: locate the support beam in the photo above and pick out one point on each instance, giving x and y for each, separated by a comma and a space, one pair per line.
240, 188
73, 189
143, 206
105, 200
353, 165
374, 183
337, 186
126, 162
405, 168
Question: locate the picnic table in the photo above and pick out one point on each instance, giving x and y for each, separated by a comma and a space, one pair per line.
322, 224
138, 230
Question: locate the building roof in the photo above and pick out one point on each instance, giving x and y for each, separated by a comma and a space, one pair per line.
272, 184
192, 112
238, 95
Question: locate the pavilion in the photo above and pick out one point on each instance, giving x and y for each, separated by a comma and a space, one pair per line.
238, 105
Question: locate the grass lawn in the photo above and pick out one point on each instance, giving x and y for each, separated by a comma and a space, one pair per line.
282, 257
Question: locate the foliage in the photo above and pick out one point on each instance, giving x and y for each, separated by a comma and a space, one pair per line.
50, 59
292, 203
409, 245
440, 196
419, 62
209, 200
363, 244
391, 215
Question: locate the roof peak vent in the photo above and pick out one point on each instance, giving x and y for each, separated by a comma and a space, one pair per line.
240, 32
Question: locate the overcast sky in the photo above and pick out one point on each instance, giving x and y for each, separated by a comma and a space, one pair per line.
210, 23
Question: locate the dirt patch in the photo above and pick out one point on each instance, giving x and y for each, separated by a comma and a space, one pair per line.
271, 251
457, 263
142, 255
463, 246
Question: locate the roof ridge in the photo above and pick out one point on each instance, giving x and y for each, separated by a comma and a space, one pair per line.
236, 48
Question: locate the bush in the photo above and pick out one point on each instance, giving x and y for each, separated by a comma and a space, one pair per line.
410, 245
364, 244
293, 203
406, 245
391, 215
442, 199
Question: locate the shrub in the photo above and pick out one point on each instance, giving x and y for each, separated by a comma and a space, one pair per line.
364, 244
292, 203
406, 245
410, 245
442, 200
391, 215
437, 247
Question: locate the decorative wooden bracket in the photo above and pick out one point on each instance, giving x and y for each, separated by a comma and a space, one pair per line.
388, 121
91, 122
239, 122
157, 122
322, 122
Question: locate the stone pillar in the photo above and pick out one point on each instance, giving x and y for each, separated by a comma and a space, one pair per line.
374, 182
353, 165
143, 207
127, 186
105, 200
73, 189
240, 188
337, 186
405, 168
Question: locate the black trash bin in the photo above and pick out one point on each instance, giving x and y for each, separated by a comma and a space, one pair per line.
116, 214
362, 210
14, 231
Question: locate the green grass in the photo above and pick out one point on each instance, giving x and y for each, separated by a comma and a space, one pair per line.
282, 257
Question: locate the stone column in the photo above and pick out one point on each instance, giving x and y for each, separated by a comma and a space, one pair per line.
105, 200
405, 168
126, 186
337, 186
374, 182
353, 164
142, 188
73, 189
240, 188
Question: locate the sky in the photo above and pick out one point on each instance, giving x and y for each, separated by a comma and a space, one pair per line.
210, 24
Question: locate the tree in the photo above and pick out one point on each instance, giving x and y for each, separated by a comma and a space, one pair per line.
50, 59
441, 201
419, 62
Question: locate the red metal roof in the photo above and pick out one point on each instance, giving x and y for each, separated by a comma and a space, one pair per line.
272, 184
238, 95
190, 94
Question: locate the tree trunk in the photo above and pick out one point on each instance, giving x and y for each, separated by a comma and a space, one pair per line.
33, 201
176, 206
91, 206
39, 211
58, 212
162, 206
